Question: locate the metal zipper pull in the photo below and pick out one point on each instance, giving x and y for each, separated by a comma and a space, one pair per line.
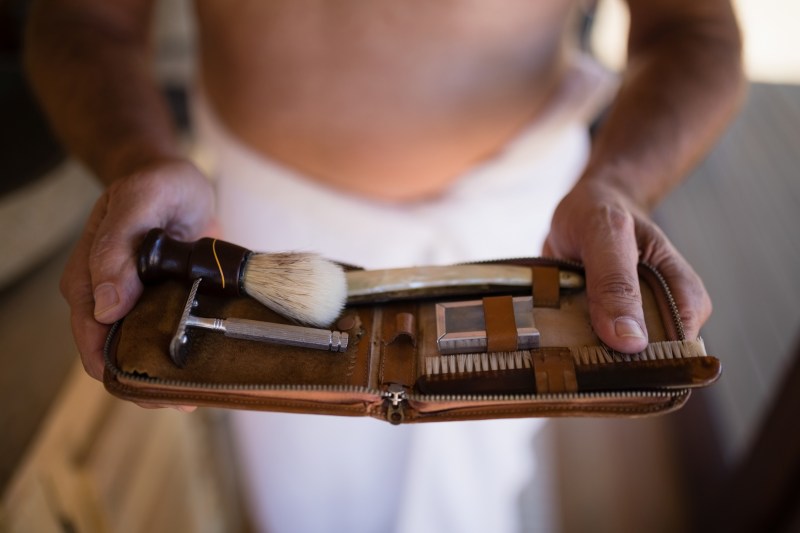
396, 397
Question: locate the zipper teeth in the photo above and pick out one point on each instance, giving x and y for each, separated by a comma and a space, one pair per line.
673, 306
549, 396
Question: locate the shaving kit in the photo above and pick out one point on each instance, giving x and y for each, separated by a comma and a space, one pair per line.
497, 339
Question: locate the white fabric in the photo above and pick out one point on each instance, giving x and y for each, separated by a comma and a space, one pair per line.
315, 473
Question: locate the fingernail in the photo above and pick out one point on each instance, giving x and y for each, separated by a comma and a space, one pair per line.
105, 299
628, 327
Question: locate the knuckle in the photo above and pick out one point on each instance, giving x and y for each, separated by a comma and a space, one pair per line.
700, 308
614, 217
608, 224
108, 258
690, 317
103, 250
65, 287
656, 249
617, 288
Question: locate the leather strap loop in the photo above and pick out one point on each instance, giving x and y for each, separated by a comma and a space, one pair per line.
399, 344
554, 369
546, 286
404, 326
501, 325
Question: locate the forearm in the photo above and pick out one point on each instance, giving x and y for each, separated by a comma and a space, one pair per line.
90, 69
681, 87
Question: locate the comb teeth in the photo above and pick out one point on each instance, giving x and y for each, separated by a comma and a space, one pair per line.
583, 355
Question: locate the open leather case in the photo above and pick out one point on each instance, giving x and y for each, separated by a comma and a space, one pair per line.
454, 353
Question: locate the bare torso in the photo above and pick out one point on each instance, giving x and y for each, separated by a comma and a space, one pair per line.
391, 100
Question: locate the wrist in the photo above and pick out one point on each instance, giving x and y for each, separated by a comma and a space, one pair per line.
134, 156
623, 180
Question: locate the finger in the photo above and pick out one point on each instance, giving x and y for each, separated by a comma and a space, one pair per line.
548, 249
112, 265
76, 287
687, 289
173, 196
610, 256
213, 228
112, 262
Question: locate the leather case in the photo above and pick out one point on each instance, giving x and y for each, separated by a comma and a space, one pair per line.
402, 362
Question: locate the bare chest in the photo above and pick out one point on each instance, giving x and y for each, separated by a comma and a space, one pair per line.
346, 90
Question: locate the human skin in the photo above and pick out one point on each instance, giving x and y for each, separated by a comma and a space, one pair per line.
389, 101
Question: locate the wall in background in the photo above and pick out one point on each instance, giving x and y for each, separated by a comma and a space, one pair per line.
769, 28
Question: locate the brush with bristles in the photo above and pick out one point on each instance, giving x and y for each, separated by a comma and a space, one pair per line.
300, 286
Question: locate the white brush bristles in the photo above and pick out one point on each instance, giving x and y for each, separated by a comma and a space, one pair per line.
302, 286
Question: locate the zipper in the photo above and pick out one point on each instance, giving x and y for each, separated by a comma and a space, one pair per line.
675, 393
396, 399
673, 305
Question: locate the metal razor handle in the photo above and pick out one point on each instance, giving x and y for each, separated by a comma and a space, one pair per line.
254, 330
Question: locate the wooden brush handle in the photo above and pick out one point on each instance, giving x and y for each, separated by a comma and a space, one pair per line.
219, 263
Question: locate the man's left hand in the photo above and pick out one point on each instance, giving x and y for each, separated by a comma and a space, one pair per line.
602, 227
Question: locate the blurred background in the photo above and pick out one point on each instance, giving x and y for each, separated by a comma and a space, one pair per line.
74, 459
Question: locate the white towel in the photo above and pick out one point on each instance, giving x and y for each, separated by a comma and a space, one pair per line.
315, 473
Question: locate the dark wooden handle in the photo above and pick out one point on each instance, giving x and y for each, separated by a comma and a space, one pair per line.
219, 263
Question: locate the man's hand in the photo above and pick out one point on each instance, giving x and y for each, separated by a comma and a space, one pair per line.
600, 226
100, 282
682, 83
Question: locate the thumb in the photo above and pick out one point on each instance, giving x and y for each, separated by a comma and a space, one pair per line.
610, 257
112, 266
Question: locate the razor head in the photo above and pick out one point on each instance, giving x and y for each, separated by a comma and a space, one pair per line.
179, 345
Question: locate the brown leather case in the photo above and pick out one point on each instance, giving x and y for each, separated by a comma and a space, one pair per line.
393, 370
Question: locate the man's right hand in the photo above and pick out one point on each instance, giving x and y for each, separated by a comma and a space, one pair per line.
100, 282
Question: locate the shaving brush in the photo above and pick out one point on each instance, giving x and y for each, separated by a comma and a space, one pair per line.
301, 286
